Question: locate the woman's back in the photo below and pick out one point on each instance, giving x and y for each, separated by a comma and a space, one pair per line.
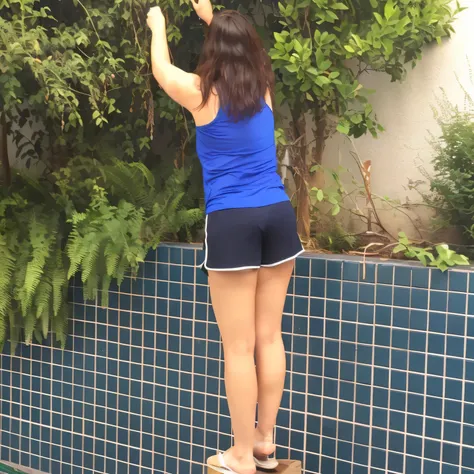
239, 161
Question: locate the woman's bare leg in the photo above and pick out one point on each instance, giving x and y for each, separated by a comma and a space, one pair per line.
233, 300
272, 288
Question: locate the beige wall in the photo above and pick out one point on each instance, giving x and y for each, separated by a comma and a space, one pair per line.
405, 110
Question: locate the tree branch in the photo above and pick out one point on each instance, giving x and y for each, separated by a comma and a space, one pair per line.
4, 161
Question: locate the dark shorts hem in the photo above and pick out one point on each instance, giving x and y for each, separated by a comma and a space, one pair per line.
251, 238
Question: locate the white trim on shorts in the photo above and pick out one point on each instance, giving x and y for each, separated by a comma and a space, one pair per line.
238, 269
284, 261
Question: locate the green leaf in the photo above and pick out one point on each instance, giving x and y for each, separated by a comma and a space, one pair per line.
388, 44
298, 46
343, 127
324, 66
279, 37
349, 48
399, 248
389, 9
379, 18
339, 6
322, 81
292, 68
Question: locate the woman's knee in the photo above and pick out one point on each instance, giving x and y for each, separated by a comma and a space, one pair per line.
266, 336
240, 346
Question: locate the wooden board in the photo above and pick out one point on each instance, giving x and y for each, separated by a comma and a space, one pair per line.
286, 467
289, 467
8, 468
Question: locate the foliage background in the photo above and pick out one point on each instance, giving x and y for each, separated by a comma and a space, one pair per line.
115, 163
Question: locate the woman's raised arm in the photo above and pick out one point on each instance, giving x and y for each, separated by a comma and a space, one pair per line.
182, 87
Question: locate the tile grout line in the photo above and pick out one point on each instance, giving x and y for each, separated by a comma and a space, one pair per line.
142, 361
463, 381
407, 375
323, 343
389, 368
308, 333
425, 388
338, 397
191, 398
94, 459
443, 397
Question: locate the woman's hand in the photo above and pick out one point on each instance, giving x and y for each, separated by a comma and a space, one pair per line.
156, 20
203, 9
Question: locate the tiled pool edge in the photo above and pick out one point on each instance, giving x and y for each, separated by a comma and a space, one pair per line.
361, 394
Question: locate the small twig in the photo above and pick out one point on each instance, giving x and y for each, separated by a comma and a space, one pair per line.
364, 262
90, 19
398, 208
357, 159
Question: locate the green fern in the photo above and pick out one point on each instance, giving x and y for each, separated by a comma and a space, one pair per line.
45, 324
58, 283
60, 325
42, 239
29, 328
98, 221
7, 264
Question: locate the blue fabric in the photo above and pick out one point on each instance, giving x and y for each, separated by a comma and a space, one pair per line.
239, 162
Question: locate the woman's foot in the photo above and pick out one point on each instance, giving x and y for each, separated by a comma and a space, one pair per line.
264, 446
236, 462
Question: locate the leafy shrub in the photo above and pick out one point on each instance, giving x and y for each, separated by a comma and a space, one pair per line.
453, 180
96, 221
78, 100
439, 256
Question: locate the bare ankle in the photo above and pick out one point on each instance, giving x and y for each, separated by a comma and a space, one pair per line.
243, 454
264, 434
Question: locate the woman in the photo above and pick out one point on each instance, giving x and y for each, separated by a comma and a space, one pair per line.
251, 239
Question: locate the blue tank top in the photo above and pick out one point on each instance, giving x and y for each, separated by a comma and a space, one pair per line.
239, 162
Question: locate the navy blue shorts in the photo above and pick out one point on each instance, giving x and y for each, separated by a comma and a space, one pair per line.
250, 238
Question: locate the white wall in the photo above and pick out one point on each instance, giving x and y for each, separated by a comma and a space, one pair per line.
405, 110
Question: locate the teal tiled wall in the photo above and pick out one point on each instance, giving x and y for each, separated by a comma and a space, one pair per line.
380, 379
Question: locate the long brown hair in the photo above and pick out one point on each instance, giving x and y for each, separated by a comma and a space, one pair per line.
235, 64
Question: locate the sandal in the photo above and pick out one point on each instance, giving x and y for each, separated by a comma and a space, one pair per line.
218, 464
265, 462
